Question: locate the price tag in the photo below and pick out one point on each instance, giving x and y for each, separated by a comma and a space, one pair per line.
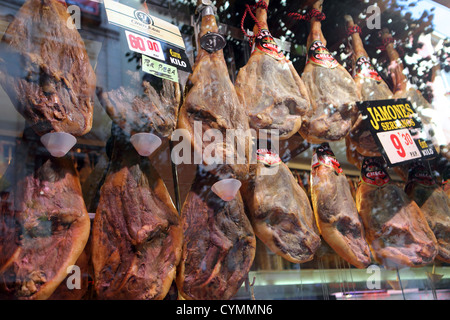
399, 145
147, 46
159, 69
149, 35
138, 21
397, 130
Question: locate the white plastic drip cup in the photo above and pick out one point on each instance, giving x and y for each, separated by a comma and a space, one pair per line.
145, 143
226, 189
58, 143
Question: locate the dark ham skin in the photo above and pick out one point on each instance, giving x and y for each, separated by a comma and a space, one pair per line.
137, 234
45, 69
280, 212
333, 95
271, 90
141, 108
51, 223
435, 205
370, 89
219, 243
395, 227
337, 217
211, 99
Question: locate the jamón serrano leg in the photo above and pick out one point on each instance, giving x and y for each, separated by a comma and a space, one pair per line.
331, 88
435, 205
280, 212
269, 87
371, 87
335, 209
404, 89
219, 243
395, 227
137, 235
53, 225
45, 69
212, 103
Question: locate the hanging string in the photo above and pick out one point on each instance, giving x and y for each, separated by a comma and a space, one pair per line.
145, 5
388, 41
353, 29
312, 13
250, 9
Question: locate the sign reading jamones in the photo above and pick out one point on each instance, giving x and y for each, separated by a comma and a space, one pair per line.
397, 130
149, 35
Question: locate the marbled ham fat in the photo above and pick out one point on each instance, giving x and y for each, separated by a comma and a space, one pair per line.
46, 70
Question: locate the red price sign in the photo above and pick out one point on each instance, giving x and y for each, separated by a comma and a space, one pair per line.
399, 145
140, 44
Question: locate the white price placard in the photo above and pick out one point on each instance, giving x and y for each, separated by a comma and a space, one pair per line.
147, 46
399, 145
141, 22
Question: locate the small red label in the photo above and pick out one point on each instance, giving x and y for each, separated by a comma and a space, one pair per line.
266, 44
373, 173
324, 156
267, 157
365, 70
418, 173
319, 55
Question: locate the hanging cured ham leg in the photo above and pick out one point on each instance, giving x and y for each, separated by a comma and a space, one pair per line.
211, 102
52, 224
280, 212
219, 243
137, 235
268, 86
435, 205
136, 101
403, 89
335, 209
143, 109
331, 88
367, 79
45, 69
395, 227
396, 69
371, 87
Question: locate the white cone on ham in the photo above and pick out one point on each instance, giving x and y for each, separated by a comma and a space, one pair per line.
226, 189
145, 143
58, 143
